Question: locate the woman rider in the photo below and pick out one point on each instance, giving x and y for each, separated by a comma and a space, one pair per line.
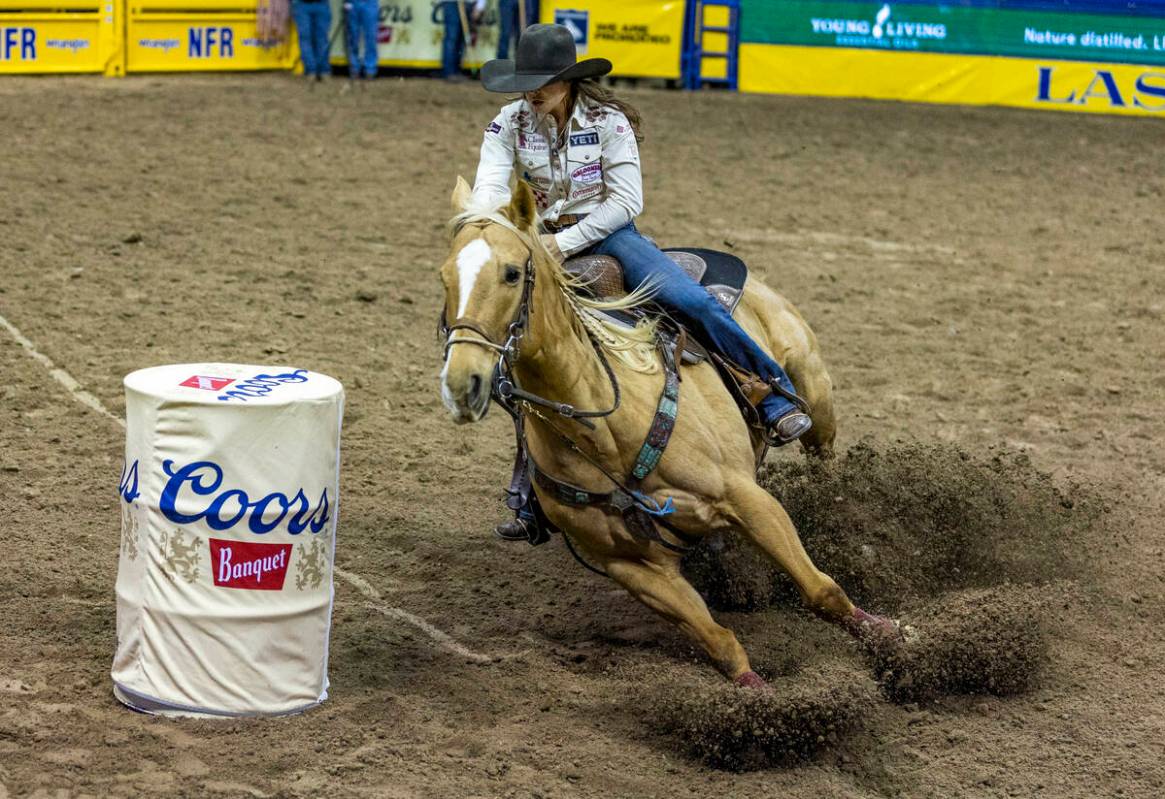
576, 146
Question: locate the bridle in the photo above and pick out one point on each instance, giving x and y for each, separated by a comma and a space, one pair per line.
641, 512
514, 330
504, 388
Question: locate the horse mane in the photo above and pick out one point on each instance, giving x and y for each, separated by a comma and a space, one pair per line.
632, 346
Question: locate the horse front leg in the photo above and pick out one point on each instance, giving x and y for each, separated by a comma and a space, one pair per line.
764, 522
661, 587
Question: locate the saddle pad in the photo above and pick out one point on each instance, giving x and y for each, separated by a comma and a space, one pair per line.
721, 274
724, 274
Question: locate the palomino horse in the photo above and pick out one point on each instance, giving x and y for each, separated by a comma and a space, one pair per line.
498, 273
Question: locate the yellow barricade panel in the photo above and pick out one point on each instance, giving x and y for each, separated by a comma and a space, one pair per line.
61, 36
641, 38
201, 36
957, 79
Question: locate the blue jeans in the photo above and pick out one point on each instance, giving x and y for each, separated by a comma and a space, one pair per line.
313, 20
509, 21
453, 44
696, 310
363, 22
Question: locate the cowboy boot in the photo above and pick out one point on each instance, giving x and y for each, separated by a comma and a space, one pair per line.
515, 530
791, 426
788, 428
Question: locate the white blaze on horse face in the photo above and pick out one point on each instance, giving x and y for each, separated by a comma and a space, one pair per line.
470, 260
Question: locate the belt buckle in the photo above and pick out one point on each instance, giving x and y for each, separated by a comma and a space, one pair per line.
559, 225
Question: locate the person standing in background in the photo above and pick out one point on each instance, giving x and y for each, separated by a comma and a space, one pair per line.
313, 19
511, 24
454, 14
363, 21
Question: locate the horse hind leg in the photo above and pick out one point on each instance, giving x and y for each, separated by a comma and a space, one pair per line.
764, 522
661, 587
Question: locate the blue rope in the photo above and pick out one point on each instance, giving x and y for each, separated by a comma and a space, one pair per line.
650, 506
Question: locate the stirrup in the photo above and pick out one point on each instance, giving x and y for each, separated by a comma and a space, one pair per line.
779, 390
787, 429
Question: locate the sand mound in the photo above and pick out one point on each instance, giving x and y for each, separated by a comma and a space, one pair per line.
742, 729
952, 543
981, 641
903, 524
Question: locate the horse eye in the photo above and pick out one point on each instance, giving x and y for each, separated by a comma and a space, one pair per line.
512, 274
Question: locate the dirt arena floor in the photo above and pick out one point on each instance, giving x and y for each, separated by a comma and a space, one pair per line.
985, 279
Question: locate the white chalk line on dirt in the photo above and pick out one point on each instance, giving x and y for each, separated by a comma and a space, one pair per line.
439, 637
844, 240
56, 373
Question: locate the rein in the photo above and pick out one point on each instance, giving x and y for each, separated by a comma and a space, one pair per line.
641, 513
505, 387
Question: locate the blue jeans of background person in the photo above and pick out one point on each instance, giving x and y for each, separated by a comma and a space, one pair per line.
696, 310
363, 22
453, 45
312, 20
509, 22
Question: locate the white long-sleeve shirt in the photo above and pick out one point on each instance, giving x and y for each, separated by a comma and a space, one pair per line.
595, 172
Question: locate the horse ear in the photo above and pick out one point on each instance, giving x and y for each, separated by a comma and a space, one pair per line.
522, 211
461, 194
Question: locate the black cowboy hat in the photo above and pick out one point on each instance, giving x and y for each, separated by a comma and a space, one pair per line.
546, 54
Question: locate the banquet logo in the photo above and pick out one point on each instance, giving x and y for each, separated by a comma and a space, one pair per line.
883, 31
262, 385
207, 383
248, 564
233, 506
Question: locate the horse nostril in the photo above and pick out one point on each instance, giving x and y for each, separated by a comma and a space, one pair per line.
474, 389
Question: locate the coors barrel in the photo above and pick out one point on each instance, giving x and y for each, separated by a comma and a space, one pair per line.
229, 499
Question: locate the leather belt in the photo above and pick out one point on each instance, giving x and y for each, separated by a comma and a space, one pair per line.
563, 222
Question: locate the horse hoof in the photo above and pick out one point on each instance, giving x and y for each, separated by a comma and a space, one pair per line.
869, 628
750, 679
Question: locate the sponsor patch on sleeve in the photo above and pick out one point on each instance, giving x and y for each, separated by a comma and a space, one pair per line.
493, 127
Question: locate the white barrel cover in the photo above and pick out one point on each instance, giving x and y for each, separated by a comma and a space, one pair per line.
230, 495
